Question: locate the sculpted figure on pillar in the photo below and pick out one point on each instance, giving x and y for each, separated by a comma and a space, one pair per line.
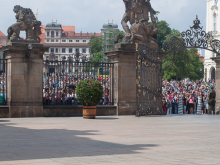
141, 31
26, 21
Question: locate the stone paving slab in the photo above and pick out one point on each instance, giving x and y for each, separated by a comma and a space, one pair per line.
123, 140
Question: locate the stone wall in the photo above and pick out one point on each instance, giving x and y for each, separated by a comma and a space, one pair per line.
65, 111
76, 111
4, 112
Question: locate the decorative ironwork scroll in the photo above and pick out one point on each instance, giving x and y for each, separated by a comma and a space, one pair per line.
195, 37
148, 81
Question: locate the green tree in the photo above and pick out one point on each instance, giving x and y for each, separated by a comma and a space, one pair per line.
95, 44
98, 57
163, 31
196, 67
176, 63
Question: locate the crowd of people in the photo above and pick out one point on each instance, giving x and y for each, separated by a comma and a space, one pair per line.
60, 89
190, 91
2, 89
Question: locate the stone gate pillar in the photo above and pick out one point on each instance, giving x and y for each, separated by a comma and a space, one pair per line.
24, 79
123, 57
217, 105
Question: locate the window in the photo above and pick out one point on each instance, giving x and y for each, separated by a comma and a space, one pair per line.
63, 50
56, 50
52, 50
56, 33
70, 50
77, 40
52, 40
84, 40
52, 33
48, 33
84, 50
70, 40
48, 40
77, 50
56, 40
63, 40
214, 20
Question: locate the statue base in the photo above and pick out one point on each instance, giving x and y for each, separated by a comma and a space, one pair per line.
123, 57
24, 79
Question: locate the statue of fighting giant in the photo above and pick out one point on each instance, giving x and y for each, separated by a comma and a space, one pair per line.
26, 21
141, 31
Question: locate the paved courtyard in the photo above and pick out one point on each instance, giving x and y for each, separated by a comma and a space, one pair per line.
124, 140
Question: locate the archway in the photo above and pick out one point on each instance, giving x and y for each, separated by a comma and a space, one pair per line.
212, 72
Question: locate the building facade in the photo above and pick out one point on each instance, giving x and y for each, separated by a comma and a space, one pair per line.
65, 44
212, 26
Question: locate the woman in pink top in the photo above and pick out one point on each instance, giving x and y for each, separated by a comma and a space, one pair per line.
191, 103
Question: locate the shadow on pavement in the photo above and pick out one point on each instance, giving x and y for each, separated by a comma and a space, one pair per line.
18, 143
4, 121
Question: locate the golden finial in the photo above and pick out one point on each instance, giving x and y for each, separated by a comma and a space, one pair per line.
37, 14
108, 20
56, 19
112, 20
52, 19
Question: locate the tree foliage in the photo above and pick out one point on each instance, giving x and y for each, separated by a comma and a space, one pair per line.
183, 63
163, 31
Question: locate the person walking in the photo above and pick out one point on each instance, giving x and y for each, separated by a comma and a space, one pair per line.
211, 98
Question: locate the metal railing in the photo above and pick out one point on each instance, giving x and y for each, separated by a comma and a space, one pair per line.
60, 79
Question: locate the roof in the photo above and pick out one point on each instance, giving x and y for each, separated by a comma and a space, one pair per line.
68, 28
110, 25
42, 38
43, 28
53, 25
1, 45
2, 34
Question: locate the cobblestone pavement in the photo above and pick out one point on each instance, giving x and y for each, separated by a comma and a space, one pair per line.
124, 140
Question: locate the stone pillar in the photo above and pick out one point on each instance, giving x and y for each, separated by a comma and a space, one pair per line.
217, 105
123, 57
24, 79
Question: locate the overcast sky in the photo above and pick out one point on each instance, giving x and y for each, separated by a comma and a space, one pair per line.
90, 15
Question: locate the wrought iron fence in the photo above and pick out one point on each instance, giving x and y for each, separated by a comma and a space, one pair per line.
60, 79
3, 82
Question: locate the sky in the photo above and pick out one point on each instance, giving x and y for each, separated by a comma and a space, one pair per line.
90, 15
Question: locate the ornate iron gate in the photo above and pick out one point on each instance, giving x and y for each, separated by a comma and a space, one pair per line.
148, 81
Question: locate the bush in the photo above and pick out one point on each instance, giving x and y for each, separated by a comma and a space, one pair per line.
89, 92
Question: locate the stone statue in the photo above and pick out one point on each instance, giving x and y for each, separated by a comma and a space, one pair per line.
26, 21
141, 31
